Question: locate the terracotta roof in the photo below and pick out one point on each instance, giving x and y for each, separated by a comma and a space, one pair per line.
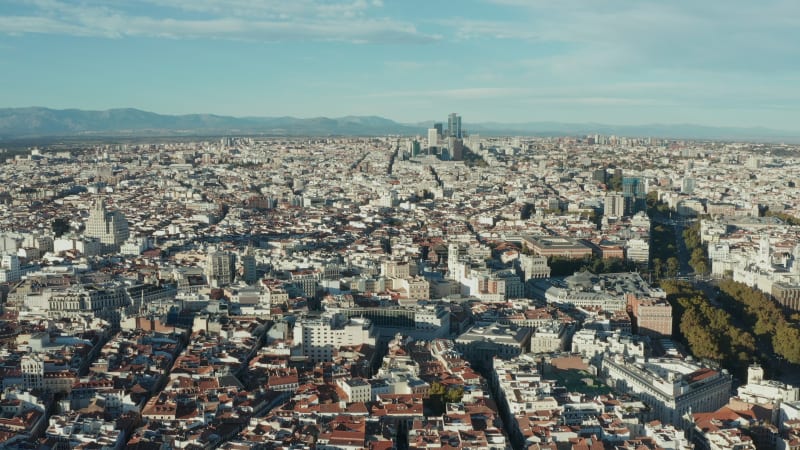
701, 375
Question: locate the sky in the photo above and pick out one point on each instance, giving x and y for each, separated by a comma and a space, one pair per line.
621, 62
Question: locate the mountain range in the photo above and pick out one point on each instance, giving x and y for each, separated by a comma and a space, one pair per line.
36, 122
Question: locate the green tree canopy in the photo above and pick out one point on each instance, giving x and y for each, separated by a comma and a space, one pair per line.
60, 226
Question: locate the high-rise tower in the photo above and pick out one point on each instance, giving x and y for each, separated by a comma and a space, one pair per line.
220, 268
635, 195
454, 125
764, 251
110, 227
249, 273
433, 138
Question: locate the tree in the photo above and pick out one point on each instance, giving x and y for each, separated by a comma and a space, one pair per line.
437, 388
658, 267
787, 342
673, 266
655, 205
709, 332
700, 267
699, 260
60, 226
454, 394
769, 324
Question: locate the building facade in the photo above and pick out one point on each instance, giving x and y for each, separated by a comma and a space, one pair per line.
220, 268
319, 337
670, 387
634, 193
454, 125
109, 227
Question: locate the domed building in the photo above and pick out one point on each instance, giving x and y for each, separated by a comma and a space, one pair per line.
581, 281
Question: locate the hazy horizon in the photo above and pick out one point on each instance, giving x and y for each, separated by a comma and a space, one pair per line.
427, 122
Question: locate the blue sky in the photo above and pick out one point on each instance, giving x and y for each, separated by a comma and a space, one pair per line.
710, 62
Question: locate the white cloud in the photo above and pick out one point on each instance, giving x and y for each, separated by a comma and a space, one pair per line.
471, 93
603, 101
16, 25
604, 95
730, 35
466, 29
268, 20
271, 8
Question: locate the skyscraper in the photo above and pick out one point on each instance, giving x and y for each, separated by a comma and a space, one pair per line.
599, 175
454, 125
456, 147
433, 138
249, 272
635, 194
613, 205
687, 184
220, 268
439, 128
110, 227
415, 148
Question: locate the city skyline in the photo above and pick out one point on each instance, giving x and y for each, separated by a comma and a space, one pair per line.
714, 64
384, 292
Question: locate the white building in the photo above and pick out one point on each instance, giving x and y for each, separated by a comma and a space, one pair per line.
84, 431
533, 266
481, 344
9, 268
86, 246
110, 227
38, 374
521, 389
613, 205
667, 436
637, 250
433, 137
82, 301
319, 337
670, 387
759, 390
357, 389
134, 246
549, 338
591, 344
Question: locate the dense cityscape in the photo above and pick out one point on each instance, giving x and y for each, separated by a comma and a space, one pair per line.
429, 292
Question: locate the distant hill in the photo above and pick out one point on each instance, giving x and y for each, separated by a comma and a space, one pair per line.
18, 123
34, 122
